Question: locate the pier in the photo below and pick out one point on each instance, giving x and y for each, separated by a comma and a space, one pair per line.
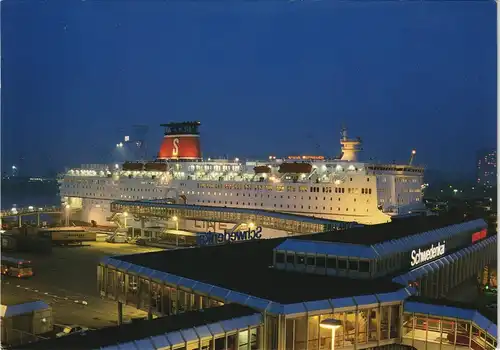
32, 211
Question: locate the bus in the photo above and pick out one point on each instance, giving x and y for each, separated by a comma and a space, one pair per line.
16, 267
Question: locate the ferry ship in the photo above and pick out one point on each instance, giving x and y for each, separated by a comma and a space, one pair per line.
341, 188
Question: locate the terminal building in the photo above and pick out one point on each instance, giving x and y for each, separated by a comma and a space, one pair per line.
375, 287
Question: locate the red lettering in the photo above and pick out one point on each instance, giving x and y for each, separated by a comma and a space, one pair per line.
479, 235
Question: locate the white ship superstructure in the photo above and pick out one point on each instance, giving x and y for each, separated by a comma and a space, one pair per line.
342, 189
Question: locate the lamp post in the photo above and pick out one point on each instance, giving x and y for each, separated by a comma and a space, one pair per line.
176, 220
125, 214
66, 211
332, 324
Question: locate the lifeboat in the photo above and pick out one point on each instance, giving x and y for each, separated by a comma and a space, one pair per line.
262, 169
155, 166
133, 166
295, 168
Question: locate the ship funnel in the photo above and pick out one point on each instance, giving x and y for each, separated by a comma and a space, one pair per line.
181, 141
350, 147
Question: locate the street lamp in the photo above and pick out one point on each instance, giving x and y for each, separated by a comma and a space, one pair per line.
67, 207
176, 220
332, 324
125, 214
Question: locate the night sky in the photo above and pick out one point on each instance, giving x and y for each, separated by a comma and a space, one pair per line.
263, 77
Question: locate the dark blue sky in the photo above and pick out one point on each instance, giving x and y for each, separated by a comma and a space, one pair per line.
264, 77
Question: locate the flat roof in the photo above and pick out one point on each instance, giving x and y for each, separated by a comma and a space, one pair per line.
373, 234
114, 335
246, 268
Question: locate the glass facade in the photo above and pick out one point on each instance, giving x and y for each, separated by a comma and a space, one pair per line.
368, 327
248, 339
149, 295
432, 332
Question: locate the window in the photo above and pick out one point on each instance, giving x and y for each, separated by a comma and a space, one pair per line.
342, 264
353, 265
311, 261
364, 266
320, 261
290, 258
301, 259
280, 258
331, 263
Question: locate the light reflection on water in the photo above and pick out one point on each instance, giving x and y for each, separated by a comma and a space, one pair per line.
8, 201
20, 201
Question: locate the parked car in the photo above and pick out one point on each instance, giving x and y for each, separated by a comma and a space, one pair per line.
73, 329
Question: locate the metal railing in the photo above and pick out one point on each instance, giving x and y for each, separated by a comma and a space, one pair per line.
15, 337
30, 210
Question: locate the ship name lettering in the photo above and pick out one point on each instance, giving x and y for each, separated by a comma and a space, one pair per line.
175, 150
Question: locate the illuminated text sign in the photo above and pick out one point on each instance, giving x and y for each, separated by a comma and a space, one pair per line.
307, 157
479, 235
211, 238
421, 256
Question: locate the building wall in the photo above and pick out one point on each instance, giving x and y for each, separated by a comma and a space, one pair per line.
487, 168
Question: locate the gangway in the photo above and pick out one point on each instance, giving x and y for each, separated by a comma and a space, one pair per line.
18, 213
299, 224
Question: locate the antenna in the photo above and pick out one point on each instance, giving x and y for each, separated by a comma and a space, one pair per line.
343, 132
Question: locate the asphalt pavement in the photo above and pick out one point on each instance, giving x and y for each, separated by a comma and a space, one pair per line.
67, 280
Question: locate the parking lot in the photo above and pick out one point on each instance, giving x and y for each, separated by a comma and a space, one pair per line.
67, 280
